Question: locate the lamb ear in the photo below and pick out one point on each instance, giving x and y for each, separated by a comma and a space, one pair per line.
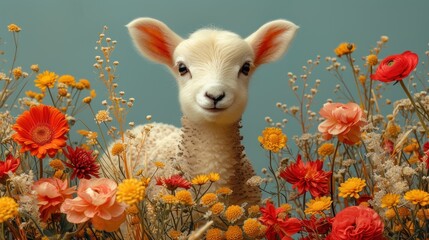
154, 39
271, 41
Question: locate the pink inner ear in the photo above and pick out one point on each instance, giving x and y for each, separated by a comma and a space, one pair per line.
268, 44
156, 42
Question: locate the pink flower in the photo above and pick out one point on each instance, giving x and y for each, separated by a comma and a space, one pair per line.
9, 164
96, 201
356, 223
396, 67
51, 193
342, 120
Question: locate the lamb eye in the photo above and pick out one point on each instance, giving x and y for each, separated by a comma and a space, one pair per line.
183, 69
245, 69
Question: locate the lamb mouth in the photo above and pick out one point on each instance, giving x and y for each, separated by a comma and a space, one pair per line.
214, 110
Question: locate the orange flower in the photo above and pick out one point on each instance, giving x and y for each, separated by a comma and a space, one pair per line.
41, 130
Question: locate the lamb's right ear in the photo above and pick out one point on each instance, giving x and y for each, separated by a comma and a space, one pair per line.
154, 39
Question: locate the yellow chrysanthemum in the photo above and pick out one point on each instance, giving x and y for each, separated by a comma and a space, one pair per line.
185, 197
372, 60
417, 196
233, 213
390, 213
351, 187
208, 199
326, 149
390, 200
224, 191
56, 164
8, 209
169, 199
159, 164
117, 149
45, 80
318, 205
200, 180
174, 234
67, 79
214, 234
217, 208
34, 68
213, 177
85, 83
273, 139
252, 228
17, 72
130, 191
344, 48
234, 233
253, 210
13, 28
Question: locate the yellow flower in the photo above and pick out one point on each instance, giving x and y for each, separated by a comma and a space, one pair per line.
13, 28
87, 100
8, 209
414, 146
117, 149
390, 213
34, 68
392, 129
208, 199
372, 60
351, 187
224, 191
326, 149
67, 79
286, 207
384, 39
252, 228
45, 80
17, 72
390, 200
233, 213
417, 196
79, 86
62, 92
318, 205
423, 214
253, 210
83, 132
214, 234
273, 139
59, 174
174, 234
185, 197
200, 180
102, 116
159, 164
92, 94
213, 177
56, 164
130, 191
362, 79
145, 181
169, 199
217, 208
31, 94
234, 233
344, 48
85, 83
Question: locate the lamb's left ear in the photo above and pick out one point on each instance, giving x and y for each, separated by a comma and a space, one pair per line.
271, 41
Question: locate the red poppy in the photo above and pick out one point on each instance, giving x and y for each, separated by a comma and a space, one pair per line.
41, 130
173, 182
396, 67
82, 162
307, 177
9, 164
277, 226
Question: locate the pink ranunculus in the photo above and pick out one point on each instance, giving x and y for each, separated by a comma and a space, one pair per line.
396, 67
96, 201
51, 193
342, 120
357, 223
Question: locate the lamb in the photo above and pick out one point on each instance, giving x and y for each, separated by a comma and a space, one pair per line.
212, 68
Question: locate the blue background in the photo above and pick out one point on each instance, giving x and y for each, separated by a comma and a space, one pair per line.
60, 36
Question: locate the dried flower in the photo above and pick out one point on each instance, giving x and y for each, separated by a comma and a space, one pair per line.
185, 197
318, 205
344, 48
217, 208
252, 227
169, 199
253, 210
67, 79
351, 187
208, 199
117, 149
372, 60
273, 139
234, 233
224, 191
130, 191
102, 116
159, 164
8, 209
326, 149
45, 80
13, 28
214, 234
34, 68
417, 197
17, 72
390, 200
56, 164
200, 180
233, 213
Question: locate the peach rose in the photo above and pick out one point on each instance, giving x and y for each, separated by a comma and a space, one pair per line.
51, 193
342, 120
96, 201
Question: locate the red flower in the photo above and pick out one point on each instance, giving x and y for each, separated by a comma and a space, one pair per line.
315, 227
307, 177
82, 162
277, 226
41, 130
396, 67
357, 222
173, 182
425, 157
9, 164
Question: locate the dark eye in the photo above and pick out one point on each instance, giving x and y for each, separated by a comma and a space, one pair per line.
183, 69
245, 69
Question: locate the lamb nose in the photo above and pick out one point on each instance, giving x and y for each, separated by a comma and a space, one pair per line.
215, 98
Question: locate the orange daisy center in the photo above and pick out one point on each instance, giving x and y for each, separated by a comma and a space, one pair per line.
42, 134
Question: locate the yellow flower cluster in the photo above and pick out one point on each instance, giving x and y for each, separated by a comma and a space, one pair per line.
351, 187
203, 179
273, 139
8, 209
130, 191
345, 48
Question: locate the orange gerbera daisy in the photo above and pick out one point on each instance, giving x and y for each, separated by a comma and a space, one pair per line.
41, 130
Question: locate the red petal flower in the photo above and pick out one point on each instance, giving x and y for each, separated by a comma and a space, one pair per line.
41, 130
307, 177
315, 227
173, 182
82, 162
396, 67
9, 164
278, 227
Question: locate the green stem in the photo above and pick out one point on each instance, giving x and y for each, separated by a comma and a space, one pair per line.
349, 57
415, 106
332, 177
275, 178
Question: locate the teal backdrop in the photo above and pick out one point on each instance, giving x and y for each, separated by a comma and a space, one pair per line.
60, 36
